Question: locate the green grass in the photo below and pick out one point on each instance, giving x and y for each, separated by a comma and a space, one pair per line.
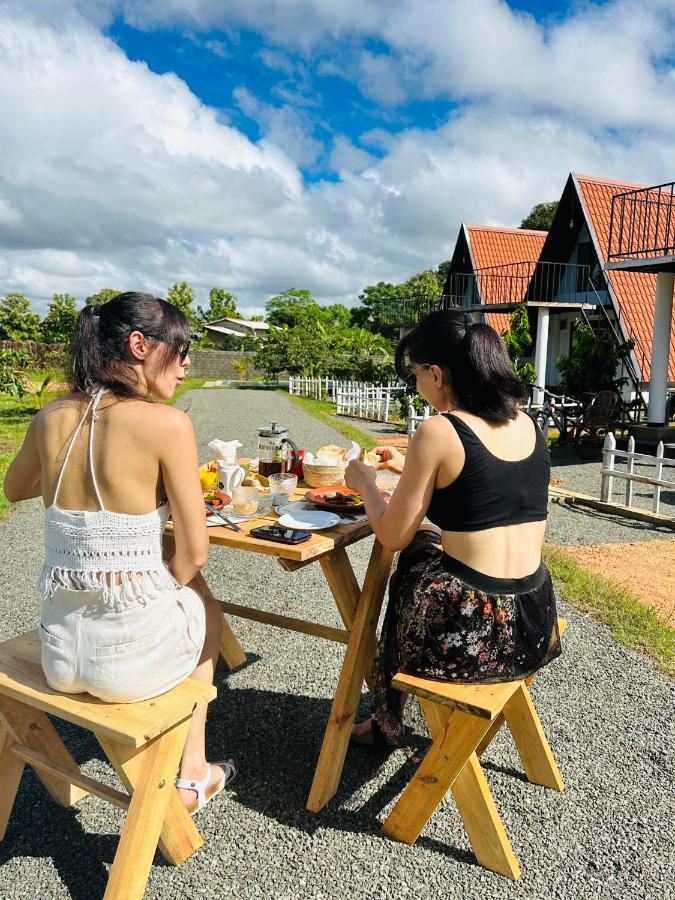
325, 412
632, 623
15, 416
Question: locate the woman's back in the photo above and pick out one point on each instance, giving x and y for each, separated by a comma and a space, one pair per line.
125, 454
491, 494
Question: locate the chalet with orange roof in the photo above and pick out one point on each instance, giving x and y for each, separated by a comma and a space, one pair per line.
482, 249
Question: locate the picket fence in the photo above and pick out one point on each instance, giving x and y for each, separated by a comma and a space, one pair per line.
351, 398
609, 471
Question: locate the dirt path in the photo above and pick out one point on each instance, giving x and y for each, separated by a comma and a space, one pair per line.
644, 569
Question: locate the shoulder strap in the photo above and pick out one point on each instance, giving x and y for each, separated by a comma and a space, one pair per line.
91, 407
94, 418
464, 430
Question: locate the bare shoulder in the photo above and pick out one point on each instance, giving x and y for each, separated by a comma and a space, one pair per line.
162, 420
436, 431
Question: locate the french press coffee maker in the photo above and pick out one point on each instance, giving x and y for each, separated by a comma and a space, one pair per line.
276, 451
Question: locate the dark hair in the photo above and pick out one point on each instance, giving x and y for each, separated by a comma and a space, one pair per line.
474, 358
99, 356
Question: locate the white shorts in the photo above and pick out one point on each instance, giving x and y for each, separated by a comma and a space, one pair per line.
121, 657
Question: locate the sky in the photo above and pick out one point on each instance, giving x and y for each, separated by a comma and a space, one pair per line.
258, 145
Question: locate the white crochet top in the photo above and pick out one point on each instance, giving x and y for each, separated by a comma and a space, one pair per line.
119, 553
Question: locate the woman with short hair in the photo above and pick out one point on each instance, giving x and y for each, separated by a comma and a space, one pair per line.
109, 463
470, 599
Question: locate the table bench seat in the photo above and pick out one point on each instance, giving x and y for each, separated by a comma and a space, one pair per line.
463, 719
143, 741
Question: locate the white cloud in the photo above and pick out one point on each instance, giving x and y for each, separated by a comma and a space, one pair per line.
115, 176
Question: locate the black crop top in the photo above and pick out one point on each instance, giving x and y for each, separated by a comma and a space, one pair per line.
490, 491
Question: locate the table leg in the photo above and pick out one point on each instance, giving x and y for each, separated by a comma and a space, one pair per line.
345, 590
358, 657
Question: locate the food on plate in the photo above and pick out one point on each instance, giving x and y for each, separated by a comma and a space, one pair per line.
216, 499
342, 497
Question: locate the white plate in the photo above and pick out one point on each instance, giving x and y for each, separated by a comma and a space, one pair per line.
309, 520
295, 507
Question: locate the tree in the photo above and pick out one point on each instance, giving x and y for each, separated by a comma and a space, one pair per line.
58, 326
292, 306
222, 305
375, 298
17, 321
422, 291
102, 296
12, 374
593, 362
540, 216
518, 341
180, 294
442, 273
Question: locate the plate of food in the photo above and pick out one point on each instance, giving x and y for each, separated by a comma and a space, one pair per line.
335, 498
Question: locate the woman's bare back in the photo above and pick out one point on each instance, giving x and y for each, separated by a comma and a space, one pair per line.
125, 454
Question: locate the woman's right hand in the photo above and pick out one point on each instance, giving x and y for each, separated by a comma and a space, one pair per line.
390, 458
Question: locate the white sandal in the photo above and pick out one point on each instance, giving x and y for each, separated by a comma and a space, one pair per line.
205, 791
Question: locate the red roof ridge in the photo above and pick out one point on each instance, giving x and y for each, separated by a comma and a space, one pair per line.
596, 179
507, 228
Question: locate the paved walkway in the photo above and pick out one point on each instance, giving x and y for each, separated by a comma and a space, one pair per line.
607, 712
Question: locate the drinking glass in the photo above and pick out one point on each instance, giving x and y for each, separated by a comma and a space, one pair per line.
282, 486
245, 500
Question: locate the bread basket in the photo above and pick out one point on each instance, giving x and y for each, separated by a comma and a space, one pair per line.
323, 476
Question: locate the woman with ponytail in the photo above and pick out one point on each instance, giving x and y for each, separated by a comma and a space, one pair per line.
470, 599
117, 620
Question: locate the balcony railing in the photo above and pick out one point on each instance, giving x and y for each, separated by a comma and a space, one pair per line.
642, 223
547, 282
532, 280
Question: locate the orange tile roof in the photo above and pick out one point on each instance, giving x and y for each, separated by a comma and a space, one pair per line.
634, 291
494, 245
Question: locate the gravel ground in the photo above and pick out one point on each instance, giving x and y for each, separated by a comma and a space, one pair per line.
606, 836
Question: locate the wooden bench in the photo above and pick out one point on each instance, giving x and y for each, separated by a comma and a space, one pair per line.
463, 719
143, 741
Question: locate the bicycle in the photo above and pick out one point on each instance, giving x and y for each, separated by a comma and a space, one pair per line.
556, 411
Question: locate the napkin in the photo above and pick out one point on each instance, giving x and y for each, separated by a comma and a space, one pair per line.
225, 450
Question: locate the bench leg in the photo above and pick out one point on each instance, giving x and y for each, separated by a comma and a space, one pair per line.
152, 791
483, 823
32, 728
11, 770
530, 740
179, 837
448, 755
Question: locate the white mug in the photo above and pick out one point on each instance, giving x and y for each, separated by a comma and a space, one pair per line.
230, 476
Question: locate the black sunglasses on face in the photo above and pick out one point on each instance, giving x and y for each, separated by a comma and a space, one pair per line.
183, 351
411, 377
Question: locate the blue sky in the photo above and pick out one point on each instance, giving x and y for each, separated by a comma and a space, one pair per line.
213, 64
258, 145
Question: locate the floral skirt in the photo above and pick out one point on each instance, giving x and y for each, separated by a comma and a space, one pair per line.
447, 621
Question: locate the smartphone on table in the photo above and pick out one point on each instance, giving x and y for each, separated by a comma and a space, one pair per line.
280, 534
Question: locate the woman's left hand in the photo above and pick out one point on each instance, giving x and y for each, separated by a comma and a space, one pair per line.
358, 474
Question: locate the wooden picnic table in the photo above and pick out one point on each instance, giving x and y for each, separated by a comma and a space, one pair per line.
359, 609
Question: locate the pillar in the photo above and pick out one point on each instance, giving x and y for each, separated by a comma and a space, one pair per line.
658, 382
541, 349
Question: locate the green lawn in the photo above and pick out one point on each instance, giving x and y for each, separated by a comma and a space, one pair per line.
16, 414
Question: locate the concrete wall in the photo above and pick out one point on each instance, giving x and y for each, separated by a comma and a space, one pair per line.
218, 364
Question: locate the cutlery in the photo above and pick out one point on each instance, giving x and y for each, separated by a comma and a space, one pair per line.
215, 512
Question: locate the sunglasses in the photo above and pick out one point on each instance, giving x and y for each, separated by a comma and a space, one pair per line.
183, 351
411, 378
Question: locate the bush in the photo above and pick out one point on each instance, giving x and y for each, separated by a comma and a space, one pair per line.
39, 355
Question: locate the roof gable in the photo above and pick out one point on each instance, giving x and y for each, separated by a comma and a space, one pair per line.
634, 292
494, 245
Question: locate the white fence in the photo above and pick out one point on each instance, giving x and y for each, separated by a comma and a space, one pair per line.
609, 471
352, 398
